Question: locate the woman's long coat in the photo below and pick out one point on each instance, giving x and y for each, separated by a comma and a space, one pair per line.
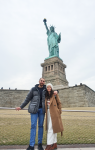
55, 112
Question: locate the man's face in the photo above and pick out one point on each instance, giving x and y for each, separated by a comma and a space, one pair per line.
42, 82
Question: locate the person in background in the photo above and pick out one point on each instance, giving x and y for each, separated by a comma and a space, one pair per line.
36, 97
53, 117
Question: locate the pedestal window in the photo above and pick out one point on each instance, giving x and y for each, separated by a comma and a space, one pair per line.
51, 67
48, 68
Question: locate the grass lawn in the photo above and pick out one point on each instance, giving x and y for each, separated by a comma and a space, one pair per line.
79, 127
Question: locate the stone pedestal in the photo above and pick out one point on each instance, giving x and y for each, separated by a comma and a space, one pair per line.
53, 71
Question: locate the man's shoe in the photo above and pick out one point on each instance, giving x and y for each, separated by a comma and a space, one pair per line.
40, 146
30, 148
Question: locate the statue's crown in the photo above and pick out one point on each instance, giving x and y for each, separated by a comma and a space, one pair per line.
52, 27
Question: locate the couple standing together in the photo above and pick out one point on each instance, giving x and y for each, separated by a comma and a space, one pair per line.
43, 100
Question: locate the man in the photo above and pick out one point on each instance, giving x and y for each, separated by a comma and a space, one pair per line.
36, 97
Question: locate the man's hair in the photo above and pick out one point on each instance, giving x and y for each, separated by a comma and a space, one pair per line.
41, 78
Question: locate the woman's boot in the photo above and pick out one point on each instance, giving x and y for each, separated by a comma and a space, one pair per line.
48, 147
54, 146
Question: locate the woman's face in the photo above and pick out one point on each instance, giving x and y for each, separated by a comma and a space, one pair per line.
48, 88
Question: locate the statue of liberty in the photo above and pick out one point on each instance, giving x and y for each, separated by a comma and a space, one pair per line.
52, 40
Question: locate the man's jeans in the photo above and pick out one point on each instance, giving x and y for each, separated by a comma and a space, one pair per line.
34, 117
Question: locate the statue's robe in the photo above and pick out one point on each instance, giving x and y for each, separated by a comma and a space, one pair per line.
52, 42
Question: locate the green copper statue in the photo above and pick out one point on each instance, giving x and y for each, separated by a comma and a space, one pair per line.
52, 40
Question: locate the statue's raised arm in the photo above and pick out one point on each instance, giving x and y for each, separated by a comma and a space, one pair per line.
45, 24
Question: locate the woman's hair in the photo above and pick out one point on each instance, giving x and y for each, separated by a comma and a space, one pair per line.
47, 95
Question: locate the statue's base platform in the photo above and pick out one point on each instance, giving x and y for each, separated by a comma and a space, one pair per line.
52, 57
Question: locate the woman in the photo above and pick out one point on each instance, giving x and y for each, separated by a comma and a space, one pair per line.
53, 117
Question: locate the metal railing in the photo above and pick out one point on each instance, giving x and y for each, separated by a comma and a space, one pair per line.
79, 127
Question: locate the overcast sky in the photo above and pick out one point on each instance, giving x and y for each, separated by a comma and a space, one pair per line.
23, 40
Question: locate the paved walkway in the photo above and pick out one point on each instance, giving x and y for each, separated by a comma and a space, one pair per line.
88, 148
60, 147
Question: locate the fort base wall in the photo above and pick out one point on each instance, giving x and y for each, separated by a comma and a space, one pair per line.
76, 96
